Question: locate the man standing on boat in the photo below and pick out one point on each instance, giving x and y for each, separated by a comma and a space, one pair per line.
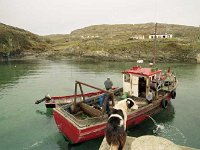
149, 97
108, 84
107, 97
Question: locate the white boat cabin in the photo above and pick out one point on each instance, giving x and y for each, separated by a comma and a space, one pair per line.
137, 81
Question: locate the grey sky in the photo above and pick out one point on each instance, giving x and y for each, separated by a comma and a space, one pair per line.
63, 16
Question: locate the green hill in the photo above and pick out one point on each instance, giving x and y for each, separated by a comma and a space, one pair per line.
115, 42
107, 42
15, 42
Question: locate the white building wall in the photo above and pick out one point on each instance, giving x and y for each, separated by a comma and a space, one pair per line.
126, 85
134, 86
162, 36
130, 86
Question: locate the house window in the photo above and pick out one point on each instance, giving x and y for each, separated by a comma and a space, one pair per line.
127, 78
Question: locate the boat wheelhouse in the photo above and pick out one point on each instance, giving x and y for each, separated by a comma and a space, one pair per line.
137, 81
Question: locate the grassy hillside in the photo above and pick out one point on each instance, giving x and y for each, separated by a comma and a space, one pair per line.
107, 42
17, 42
114, 42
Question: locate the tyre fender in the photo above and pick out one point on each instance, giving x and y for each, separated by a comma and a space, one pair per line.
164, 103
173, 94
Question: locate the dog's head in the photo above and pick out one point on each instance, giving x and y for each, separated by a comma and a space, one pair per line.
131, 104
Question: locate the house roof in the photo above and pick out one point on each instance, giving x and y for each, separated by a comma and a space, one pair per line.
137, 70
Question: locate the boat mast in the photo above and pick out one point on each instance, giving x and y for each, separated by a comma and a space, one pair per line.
155, 38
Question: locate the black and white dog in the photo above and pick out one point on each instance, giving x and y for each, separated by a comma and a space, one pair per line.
116, 126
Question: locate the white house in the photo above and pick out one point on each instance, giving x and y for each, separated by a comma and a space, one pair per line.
161, 36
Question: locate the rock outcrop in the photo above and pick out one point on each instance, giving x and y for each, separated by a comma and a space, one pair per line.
148, 142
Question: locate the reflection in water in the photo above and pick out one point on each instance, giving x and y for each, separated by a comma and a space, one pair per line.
63, 144
91, 144
11, 71
48, 113
166, 115
69, 146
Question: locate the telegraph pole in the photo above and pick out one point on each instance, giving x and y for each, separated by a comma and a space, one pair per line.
155, 38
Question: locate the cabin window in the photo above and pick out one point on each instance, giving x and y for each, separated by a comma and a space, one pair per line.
142, 87
152, 78
126, 77
158, 76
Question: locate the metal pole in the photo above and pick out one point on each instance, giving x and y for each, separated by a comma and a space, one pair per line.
111, 93
94, 87
154, 52
81, 91
75, 92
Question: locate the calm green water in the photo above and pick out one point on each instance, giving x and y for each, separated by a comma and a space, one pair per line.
26, 126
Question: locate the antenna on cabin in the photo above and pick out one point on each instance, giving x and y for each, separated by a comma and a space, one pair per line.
155, 38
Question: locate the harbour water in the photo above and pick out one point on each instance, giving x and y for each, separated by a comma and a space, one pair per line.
26, 126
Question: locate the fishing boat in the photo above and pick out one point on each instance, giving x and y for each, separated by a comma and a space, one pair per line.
52, 102
86, 119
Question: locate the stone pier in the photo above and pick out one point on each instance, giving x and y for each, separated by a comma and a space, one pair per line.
148, 142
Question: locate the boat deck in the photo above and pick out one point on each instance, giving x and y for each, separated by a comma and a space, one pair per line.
83, 119
87, 114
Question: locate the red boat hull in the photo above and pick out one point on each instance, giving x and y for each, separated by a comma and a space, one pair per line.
77, 135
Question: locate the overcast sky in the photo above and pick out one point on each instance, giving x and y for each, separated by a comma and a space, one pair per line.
63, 16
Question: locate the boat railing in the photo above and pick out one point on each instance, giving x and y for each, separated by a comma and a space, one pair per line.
170, 82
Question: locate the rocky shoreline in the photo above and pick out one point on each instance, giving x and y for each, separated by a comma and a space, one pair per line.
98, 56
106, 56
